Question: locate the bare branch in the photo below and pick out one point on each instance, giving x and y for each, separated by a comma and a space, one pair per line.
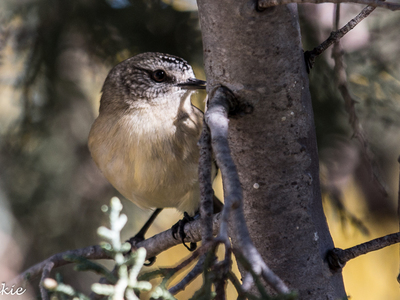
216, 117
337, 258
164, 240
206, 191
236, 283
196, 271
222, 269
154, 246
220, 282
92, 252
45, 274
170, 272
263, 4
336, 36
199, 252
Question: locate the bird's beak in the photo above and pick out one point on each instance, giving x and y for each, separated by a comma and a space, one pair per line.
192, 84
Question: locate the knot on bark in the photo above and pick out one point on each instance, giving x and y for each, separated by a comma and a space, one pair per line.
335, 261
235, 106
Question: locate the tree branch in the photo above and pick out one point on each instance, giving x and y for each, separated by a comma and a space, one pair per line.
153, 245
263, 4
206, 191
91, 252
221, 103
216, 119
335, 36
45, 274
164, 240
337, 258
196, 271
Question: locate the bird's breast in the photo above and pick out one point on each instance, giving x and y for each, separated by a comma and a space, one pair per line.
152, 162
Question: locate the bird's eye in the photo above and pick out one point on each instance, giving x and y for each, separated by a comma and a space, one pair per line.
159, 76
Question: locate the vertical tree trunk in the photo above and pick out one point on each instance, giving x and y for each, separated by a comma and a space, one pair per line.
258, 55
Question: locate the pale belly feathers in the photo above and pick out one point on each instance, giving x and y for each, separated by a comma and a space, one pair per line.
155, 169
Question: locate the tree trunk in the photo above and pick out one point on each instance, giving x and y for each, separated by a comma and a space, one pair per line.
258, 55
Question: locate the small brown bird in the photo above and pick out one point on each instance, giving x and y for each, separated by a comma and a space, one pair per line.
145, 137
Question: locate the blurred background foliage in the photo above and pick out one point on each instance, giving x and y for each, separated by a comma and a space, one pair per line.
54, 56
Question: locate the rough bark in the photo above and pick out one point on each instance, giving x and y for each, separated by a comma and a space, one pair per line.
258, 55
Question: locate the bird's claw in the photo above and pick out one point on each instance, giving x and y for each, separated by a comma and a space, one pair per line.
179, 228
133, 241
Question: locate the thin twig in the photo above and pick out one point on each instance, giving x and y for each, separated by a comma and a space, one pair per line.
199, 252
246, 263
206, 207
196, 271
45, 274
210, 246
222, 270
263, 4
238, 286
216, 117
220, 281
337, 258
336, 36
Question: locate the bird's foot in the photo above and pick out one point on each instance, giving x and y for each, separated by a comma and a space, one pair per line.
133, 241
179, 228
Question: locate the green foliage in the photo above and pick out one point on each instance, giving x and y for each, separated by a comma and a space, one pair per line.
122, 282
60, 290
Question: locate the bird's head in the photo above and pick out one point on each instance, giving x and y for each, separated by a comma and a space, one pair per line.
148, 77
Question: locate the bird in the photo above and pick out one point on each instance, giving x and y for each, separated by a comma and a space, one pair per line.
145, 137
